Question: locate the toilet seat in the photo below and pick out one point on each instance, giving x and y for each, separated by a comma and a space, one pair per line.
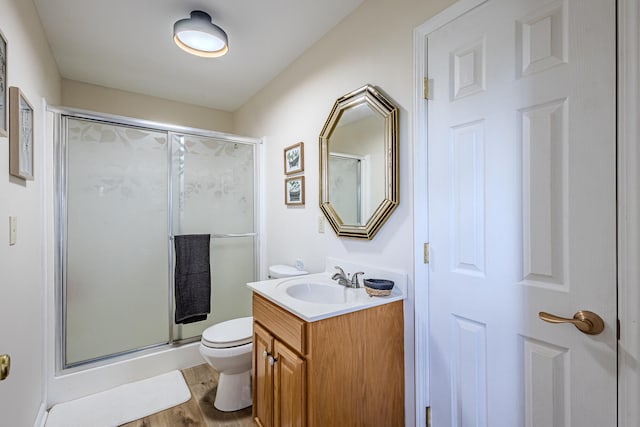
231, 333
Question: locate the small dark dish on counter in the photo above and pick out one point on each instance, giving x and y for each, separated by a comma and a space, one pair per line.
378, 287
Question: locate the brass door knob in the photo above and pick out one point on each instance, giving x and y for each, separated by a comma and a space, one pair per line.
5, 365
587, 321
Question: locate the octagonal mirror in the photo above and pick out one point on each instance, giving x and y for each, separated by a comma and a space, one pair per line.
359, 177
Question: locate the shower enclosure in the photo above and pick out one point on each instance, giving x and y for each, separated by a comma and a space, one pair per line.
349, 178
124, 189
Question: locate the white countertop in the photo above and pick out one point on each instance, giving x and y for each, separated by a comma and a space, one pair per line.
352, 299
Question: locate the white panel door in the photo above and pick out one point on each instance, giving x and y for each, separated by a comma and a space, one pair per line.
522, 214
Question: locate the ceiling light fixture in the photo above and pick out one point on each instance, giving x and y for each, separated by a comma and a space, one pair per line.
199, 36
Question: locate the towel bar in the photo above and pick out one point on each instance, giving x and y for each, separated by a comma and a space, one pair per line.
226, 236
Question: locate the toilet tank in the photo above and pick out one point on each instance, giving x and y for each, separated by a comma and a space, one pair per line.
280, 271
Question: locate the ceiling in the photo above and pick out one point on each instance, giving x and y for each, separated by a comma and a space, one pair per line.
128, 44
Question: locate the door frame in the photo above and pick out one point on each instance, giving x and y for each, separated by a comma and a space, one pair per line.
420, 203
628, 212
628, 65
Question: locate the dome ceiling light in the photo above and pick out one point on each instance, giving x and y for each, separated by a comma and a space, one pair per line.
199, 36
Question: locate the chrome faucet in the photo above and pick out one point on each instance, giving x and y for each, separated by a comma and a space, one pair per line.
343, 279
354, 279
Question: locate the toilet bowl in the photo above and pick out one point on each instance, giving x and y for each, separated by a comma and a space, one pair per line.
227, 347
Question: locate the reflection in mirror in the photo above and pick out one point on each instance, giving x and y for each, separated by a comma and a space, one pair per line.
345, 180
359, 182
357, 148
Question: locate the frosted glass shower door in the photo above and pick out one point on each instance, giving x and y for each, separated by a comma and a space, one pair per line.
346, 181
115, 297
213, 192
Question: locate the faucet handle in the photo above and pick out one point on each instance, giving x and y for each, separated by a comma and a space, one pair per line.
340, 277
354, 279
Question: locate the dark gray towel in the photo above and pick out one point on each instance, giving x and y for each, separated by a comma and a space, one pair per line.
192, 278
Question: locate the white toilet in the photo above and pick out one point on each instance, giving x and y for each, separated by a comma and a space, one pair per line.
227, 347
280, 271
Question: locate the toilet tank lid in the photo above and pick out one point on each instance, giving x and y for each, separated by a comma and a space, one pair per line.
230, 333
282, 270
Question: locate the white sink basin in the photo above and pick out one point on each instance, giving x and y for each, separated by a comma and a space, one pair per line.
318, 293
317, 296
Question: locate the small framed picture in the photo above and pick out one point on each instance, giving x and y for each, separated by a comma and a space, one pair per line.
294, 191
294, 158
20, 135
3, 85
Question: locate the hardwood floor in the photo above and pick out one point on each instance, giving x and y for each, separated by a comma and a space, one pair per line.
199, 410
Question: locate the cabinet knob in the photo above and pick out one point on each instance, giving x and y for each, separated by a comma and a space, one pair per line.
265, 354
272, 360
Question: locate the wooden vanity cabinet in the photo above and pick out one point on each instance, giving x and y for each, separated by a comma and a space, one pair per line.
347, 370
279, 382
262, 377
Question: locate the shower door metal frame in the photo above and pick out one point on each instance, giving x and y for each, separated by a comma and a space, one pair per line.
360, 182
256, 143
61, 115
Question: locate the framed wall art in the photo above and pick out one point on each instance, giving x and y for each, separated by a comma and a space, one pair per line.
3, 85
294, 191
294, 159
20, 135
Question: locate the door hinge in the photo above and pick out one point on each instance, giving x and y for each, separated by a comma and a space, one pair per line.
426, 253
428, 86
428, 416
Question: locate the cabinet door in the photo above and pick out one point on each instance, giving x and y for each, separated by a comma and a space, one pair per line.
290, 387
262, 377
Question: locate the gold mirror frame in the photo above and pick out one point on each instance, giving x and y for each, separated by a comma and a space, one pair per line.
380, 104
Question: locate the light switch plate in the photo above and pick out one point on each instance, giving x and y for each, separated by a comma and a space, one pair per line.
320, 224
13, 230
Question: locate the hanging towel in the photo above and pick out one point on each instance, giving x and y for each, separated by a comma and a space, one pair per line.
192, 278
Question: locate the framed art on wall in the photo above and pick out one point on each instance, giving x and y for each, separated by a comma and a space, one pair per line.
20, 135
294, 191
294, 158
3, 85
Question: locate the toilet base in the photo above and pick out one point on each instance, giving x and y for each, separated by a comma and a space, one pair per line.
234, 392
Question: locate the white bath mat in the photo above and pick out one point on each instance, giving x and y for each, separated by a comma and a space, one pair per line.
122, 404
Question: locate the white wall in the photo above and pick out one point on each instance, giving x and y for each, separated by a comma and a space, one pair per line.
372, 45
122, 103
22, 267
